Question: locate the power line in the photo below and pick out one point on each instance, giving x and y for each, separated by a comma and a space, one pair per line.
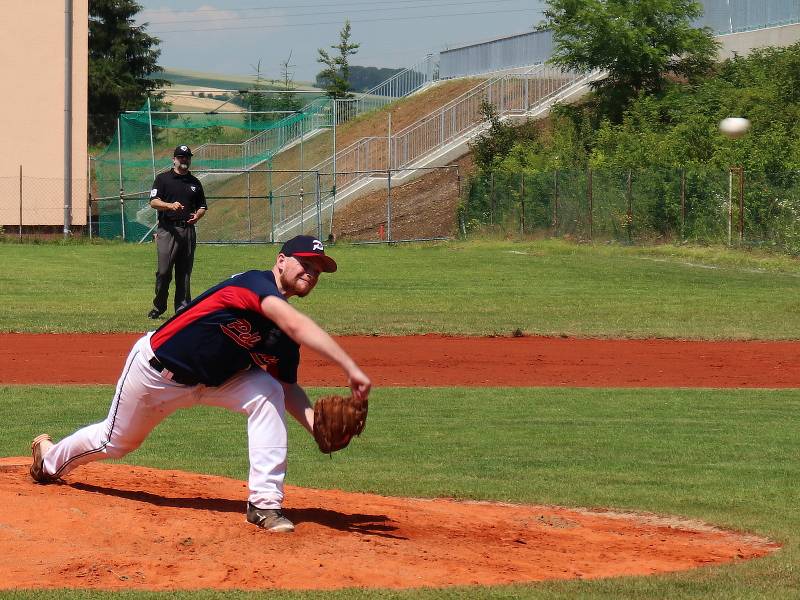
288, 25
342, 5
336, 12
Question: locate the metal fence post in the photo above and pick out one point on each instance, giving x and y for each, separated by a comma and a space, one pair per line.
333, 189
302, 212
319, 206
590, 195
629, 210
89, 194
152, 146
272, 217
527, 82
122, 211
465, 210
491, 198
249, 216
740, 172
555, 202
20, 203
683, 203
730, 203
119, 150
389, 206
522, 202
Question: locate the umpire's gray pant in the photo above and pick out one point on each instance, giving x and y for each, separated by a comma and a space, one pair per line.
176, 246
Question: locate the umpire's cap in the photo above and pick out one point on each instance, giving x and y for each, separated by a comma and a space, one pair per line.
309, 247
182, 151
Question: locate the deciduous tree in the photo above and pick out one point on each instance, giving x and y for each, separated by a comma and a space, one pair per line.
637, 42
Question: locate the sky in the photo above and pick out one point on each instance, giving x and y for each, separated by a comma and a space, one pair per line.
231, 37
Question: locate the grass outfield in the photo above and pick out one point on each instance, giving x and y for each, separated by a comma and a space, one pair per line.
480, 288
728, 457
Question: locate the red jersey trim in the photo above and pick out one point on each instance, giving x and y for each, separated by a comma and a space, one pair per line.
228, 297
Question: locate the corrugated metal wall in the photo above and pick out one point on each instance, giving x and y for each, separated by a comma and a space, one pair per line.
722, 16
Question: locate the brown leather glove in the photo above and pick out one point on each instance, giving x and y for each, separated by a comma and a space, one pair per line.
337, 420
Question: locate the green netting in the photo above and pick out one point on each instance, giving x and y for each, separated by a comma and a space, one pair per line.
143, 145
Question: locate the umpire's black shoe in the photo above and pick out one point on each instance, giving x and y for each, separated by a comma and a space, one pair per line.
155, 313
271, 519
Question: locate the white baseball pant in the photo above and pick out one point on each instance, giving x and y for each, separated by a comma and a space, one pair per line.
145, 397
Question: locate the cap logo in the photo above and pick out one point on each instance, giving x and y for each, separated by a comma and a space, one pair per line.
194, 189
184, 148
317, 245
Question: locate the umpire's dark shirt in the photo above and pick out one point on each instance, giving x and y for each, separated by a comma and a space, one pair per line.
172, 187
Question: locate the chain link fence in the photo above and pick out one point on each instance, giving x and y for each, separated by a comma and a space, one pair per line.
254, 206
32, 206
244, 206
639, 206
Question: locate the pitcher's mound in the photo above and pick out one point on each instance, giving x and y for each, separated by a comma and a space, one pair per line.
113, 526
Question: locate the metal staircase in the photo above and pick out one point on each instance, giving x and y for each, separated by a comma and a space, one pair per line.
435, 136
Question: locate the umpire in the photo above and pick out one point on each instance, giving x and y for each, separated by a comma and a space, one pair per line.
178, 197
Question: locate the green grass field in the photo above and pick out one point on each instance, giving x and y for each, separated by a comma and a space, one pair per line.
481, 288
729, 457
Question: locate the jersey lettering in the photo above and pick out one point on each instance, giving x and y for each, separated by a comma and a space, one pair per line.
265, 361
241, 332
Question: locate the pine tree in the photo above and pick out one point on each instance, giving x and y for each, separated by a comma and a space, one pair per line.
122, 57
336, 74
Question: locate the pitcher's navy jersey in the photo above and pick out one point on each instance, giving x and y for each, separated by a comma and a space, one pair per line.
223, 331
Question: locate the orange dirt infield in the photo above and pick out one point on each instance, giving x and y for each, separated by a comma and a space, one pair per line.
433, 360
120, 527
113, 526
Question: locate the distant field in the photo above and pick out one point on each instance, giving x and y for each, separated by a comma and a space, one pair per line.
182, 100
198, 79
184, 81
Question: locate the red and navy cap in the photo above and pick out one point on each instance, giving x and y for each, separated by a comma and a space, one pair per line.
306, 246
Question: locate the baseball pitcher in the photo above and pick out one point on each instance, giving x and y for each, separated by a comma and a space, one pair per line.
236, 346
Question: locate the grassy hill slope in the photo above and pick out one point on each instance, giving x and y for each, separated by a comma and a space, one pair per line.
404, 112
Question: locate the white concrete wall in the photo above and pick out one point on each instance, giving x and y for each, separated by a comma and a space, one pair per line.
32, 111
745, 42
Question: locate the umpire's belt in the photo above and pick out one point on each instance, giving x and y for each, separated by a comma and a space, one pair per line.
168, 224
167, 374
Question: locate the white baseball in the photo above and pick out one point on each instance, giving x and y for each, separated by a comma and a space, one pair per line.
734, 127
